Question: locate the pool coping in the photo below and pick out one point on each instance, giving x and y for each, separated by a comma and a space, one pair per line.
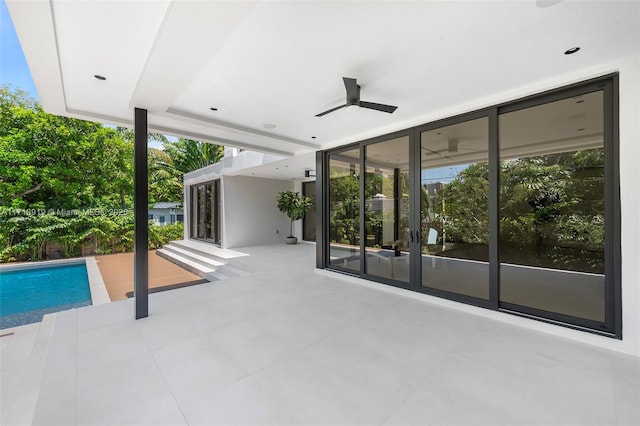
99, 294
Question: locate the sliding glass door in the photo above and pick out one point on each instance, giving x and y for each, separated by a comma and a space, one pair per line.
454, 205
344, 210
552, 208
512, 208
386, 209
206, 207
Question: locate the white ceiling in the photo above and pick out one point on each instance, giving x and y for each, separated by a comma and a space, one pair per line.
280, 63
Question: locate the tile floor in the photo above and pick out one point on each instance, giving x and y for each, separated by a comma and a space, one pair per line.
287, 346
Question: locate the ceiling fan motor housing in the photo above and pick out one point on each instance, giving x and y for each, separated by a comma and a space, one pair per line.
354, 100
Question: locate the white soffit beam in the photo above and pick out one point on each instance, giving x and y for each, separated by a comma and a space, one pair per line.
40, 47
191, 33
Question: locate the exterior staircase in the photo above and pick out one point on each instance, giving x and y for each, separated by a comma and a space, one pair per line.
204, 260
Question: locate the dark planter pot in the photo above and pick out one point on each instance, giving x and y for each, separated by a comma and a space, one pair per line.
291, 240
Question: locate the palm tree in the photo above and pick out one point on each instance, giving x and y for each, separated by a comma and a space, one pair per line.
189, 155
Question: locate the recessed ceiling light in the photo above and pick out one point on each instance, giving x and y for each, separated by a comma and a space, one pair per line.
313, 137
580, 129
213, 109
277, 168
438, 133
286, 167
580, 101
269, 126
571, 51
100, 77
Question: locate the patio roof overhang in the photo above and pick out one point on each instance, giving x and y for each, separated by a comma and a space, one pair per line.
270, 67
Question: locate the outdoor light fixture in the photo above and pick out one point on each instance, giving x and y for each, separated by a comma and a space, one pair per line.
571, 51
307, 173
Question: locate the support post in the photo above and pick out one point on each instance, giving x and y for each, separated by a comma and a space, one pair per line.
141, 215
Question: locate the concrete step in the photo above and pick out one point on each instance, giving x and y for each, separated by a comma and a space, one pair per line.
193, 256
207, 250
185, 263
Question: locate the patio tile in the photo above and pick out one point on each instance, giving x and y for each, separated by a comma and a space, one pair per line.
315, 395
295, 330
242, 403
105, 346
626, 389
306, 348
357, 362
56, 404
94, 317
250, 345
397, 419
196, 368
162, 329
133, 393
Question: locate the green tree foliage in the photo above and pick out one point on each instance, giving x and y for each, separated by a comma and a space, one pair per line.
460, 207
48, 161
294, 205
165, 181
68, 184
551, 210
344, 214
189, 155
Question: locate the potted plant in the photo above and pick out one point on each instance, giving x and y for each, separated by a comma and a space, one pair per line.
295, 206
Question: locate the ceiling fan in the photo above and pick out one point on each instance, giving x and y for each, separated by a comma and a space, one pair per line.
353, 99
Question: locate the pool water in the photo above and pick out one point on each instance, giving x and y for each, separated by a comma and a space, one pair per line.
26, 294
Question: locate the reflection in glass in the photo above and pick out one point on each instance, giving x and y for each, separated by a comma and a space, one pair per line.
309, 219
201, 212
206, 211
552, 207
387, 209
344, 210
454, 208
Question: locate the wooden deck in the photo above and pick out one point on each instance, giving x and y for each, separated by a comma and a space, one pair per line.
117, 273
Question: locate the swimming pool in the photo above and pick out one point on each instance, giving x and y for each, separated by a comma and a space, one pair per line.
29, 291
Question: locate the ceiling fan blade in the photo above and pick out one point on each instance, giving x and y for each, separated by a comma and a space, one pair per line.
352, 88
378, 107
330, 110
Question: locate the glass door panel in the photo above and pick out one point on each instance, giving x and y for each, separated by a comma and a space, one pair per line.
386, 204
344, 210
206, 211
213, 212
209, 210
201, 212
552, 218
454, 219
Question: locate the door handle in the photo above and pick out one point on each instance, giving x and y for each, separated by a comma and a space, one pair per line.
411, 235
418, 237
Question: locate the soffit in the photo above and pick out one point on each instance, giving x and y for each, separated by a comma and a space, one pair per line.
280, 63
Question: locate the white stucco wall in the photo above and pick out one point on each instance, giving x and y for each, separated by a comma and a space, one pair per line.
250, 214
630, 202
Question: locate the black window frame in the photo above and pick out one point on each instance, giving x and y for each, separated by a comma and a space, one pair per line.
612, 326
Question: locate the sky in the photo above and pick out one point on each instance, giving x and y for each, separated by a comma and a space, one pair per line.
13, 66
